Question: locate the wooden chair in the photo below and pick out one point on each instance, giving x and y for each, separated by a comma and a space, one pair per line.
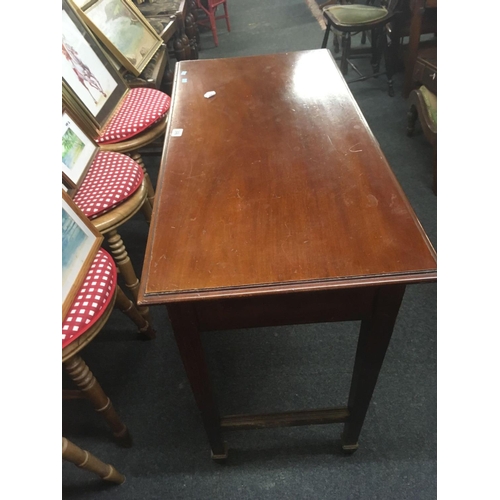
114, 190
350, 19
86, 318
336, 45
128, 119
423, 105
156, 75
136, 146
209, 7
119, 135
140, 119
85, 460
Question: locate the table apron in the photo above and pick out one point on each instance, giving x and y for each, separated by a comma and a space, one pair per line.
285, 309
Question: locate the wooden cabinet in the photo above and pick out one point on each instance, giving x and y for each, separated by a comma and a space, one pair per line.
427, 61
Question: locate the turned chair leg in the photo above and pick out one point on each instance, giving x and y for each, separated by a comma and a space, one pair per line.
412, 119
226, 14
386, 51
126, 269
151, 190
325, 37
85, 460
375, 60
127, 307
346, 48
213, 26
147, 210
336, 44
84, 379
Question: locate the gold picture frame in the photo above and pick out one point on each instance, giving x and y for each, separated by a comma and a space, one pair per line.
92, 87
78, 151
122, 29
80, 243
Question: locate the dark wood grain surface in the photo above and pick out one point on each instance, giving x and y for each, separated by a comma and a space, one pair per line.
276, 183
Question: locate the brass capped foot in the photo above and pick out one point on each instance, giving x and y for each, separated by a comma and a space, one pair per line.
348, 449
221, 457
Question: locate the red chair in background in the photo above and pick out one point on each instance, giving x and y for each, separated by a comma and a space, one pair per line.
210, 8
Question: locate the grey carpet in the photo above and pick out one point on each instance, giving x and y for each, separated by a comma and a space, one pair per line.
276, 368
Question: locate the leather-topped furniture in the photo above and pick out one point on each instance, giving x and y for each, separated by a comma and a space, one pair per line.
350, 19
423, 105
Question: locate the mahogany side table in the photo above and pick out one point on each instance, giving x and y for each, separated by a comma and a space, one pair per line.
275, 205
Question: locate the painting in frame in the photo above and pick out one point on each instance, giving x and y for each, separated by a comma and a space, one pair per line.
123, 29
87, 73
78, 152
80, 243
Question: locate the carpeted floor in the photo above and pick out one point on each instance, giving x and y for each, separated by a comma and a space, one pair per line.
275, 368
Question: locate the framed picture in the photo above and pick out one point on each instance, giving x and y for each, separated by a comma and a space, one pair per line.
88, 76
122, 28
81, 3
80, 243
78, 151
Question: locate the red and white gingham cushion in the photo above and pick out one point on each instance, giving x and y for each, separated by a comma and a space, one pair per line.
94, 295
111, 179
140, 109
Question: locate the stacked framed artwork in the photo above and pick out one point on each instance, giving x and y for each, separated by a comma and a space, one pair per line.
121, 27
93, 96
78, 152
80, 243
91, 86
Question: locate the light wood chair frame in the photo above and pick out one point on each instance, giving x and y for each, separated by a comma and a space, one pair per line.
108, 223
87, 385
85, 460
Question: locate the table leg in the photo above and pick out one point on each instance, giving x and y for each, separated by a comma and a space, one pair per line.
188, 337
374, 337
413, 43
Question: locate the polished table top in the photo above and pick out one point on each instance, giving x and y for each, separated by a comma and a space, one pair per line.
275, 184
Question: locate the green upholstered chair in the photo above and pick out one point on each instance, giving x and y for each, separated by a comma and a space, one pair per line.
350, 19
423, 105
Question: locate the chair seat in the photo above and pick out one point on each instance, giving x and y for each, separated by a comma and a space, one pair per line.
348, 15
141, 108
91, 301
111, 179
430, 100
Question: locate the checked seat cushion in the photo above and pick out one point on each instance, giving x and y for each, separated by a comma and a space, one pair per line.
111, 179
93, 298
141, 108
